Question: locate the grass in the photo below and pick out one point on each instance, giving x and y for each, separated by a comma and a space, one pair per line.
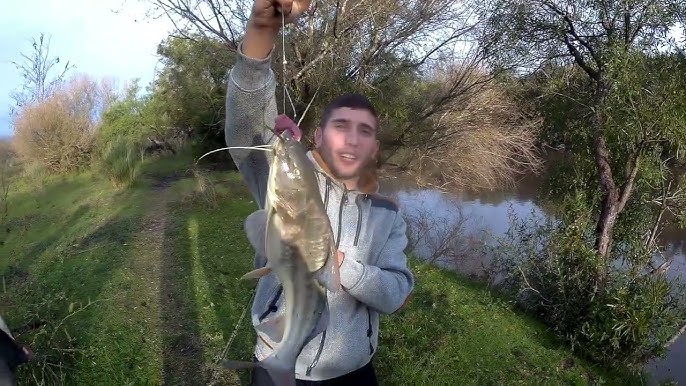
140, 287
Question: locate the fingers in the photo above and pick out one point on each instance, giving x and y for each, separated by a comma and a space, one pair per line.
284, 6
283, 123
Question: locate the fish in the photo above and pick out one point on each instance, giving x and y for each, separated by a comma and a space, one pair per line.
12, 355
294, 232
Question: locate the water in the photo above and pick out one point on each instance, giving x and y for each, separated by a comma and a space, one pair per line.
486, 216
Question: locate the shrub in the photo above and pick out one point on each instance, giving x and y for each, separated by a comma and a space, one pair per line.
551, 269
120, 161
58, 132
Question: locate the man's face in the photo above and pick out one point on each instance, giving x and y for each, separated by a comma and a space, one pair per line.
348, 142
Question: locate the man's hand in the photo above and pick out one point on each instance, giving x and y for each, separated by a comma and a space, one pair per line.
265, 23
284, 123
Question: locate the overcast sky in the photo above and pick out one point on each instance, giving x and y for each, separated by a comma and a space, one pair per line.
103, 38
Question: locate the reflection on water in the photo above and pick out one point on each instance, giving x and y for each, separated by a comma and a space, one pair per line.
488, 215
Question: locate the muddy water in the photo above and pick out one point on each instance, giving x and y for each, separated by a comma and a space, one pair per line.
485, 216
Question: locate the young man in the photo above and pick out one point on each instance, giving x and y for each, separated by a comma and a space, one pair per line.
369, 230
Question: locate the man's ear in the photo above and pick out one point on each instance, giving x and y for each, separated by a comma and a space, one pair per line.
318, 134
376, 149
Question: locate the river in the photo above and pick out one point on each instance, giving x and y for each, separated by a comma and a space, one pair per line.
485, 216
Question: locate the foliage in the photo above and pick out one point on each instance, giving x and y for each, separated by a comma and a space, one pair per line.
120, 161
142, 120
615, 105
550, 268
484, 141
190, 91
58, 132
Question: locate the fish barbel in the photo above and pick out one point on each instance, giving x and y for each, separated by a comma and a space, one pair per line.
299, 245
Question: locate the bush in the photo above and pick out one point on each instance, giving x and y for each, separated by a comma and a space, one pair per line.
484, 140
551, 269
58, 132
120, 161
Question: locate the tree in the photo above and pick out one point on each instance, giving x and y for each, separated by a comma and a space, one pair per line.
190, 90
368, 46
36, 69
604, 40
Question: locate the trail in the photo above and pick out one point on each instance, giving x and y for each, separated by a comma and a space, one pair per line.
158, 290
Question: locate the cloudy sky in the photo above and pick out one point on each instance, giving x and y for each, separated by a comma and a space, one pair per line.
104, 38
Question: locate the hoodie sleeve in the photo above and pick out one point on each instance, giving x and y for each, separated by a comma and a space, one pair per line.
386, 285
250, 116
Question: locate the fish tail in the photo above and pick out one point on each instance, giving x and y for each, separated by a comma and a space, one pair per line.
235, 365
279, 371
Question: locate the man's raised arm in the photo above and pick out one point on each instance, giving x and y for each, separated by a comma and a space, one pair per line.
250, 101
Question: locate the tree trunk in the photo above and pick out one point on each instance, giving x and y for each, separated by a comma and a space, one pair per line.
610, 205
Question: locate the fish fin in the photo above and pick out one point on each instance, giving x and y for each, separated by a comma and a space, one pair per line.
258, 273
274, 327
255, 229
329, 275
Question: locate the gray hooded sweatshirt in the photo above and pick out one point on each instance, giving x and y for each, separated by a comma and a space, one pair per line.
368, 228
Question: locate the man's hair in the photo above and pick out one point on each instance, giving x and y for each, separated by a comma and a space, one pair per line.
349, 100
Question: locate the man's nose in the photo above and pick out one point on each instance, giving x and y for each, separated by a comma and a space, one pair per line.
351, 138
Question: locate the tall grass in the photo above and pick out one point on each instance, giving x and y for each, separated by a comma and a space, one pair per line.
120, 161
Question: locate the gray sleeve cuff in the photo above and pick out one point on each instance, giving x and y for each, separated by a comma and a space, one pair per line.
250, 74
351, 273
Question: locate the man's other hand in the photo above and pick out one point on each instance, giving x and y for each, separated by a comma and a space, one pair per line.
265, 23
284, 123
266, 14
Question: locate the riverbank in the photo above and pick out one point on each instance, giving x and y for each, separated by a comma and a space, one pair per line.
471, 220
141, 286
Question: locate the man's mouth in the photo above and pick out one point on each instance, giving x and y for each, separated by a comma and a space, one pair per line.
348, 156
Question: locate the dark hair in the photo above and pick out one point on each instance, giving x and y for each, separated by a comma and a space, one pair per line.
349, 100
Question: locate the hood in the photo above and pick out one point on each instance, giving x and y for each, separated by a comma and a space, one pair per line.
368, 183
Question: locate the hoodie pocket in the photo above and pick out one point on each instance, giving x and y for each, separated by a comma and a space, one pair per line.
272, 305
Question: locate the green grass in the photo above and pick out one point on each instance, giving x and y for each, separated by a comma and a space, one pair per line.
160, 264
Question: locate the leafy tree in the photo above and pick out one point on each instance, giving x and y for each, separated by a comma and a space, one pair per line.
190, 91
608, 85
606, 41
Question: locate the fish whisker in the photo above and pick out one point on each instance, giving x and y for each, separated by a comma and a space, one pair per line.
266, 148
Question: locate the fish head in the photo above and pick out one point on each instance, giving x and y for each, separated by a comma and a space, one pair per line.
292, 179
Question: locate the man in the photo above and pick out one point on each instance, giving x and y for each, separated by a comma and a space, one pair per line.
369, 230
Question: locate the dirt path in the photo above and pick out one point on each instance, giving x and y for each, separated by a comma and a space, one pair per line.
160, 291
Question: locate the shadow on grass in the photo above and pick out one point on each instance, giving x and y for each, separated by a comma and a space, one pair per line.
69, 265
205, 254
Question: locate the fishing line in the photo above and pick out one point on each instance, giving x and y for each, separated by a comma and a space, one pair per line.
285, 62
266, 148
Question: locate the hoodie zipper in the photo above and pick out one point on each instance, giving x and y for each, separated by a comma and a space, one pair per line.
344, 200
359, 218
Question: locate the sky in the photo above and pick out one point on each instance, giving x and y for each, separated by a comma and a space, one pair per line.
103, 38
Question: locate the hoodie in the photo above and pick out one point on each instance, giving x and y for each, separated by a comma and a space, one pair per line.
368, 228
